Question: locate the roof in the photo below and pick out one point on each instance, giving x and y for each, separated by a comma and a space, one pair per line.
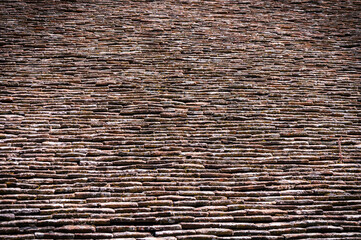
180, 120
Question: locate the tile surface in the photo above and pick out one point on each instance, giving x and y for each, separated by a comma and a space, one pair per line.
180, 119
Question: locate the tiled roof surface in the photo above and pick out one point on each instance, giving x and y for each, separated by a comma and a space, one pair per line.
180, 120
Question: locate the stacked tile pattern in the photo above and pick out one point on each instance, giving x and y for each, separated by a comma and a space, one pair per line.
180, 119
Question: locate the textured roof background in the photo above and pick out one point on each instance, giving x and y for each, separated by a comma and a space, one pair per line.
180, 119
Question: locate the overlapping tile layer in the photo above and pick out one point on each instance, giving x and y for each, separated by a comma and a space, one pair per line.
181, 119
